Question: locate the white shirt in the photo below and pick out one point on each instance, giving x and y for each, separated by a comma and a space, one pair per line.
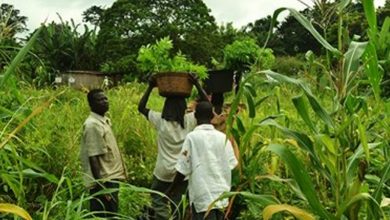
207, 158
170, 137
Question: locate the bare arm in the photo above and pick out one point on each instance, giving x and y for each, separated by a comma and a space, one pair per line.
95, 167
142, 103
202, 93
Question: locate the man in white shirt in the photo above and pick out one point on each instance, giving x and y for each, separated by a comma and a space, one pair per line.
207, 158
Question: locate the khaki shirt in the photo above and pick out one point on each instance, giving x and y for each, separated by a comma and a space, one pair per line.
99, 140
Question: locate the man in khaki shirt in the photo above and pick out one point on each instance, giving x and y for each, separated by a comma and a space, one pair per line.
100, 157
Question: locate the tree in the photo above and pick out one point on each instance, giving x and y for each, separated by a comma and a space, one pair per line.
295, 38
65, 48
11, 22
129, 24
226, 34
93, 15
383, 12
61, 47
259, 30
384, 52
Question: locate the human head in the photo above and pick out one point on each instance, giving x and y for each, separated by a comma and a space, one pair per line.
204, 112
174, 109
98, 101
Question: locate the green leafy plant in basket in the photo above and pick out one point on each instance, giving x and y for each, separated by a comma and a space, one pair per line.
156, 58
172, 74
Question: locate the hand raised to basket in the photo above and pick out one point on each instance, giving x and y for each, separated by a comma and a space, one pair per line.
194, 78
152, 82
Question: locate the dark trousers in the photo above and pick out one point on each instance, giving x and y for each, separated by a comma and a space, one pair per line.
214, 214
105, 205
160, 205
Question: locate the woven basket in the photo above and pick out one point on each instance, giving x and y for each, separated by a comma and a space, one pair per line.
174, 84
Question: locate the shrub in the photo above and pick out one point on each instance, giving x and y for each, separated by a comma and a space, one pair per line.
241, 54
288, 65
265, 60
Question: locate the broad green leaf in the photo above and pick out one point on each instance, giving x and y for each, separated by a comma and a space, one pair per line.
353, 103
306, 24
240, 125
250, 89
352, 58
31, 164
248, 134
302, 178
385, 202
236, 135
303, 140
342, 5
385, 177
317, 108
236, 102
251, 105
281, 78
357, 198
12, 181
273, 24
384, 35
327, 153
277, 94
261, 100
328, 143
371, 68
369, 10
363, 138
290, 182
353, 160
301, 107
295, 211
33, 174
14, 209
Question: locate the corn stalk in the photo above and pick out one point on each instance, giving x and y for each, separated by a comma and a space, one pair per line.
337, 143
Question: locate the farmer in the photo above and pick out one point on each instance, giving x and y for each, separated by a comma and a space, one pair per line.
207, 159
172, 126
101, 160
